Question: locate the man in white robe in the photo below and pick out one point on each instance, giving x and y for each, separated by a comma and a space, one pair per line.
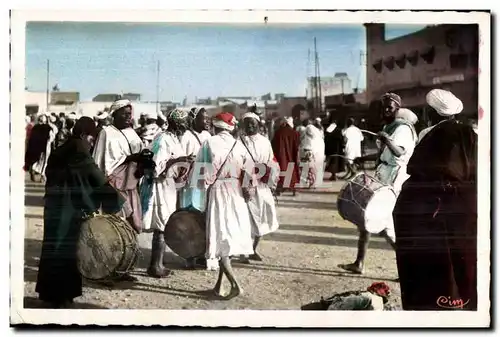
229, 230
352, 150
312, 149
262, 206
159, 191
398, 140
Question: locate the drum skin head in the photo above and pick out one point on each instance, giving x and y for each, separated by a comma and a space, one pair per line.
100, 247
185, 233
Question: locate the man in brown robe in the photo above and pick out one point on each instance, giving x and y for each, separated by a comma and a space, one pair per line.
285, 145
435, 220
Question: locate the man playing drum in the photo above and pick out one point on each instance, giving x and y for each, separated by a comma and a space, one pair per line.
191, 141
75, 187
118, 154
262, 207
229, 230
398, 140
159, 191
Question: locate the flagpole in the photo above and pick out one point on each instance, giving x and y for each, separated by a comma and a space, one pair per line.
47, 98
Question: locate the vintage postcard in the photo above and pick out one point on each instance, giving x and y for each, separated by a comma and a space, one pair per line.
221, 164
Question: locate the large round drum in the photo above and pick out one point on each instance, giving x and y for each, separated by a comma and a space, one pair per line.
367, 203
106, 248
185, 233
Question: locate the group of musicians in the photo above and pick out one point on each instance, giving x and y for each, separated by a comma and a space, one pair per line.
112, 169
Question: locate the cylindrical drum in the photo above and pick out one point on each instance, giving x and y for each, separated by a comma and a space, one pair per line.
106, 248
185, 233
367, 203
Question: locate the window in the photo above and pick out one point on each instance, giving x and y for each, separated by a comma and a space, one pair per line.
413, 58
389, 63
428, 55
378, 66
401, 61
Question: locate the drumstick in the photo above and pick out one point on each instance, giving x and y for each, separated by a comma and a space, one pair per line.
369, 132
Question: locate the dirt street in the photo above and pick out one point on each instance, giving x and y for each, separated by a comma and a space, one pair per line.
300, 263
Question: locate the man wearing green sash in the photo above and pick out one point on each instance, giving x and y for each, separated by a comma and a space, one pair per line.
398, 139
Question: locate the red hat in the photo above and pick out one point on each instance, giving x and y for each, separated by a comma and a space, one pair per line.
227, 118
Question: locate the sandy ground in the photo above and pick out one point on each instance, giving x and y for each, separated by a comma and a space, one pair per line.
300, 263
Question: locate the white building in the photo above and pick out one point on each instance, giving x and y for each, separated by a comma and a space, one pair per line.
340, 83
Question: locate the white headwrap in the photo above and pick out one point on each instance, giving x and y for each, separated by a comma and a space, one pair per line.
444, 102
117, 105
53, 119
152, 115
72, 116
407, 115
251, 115
102, 115
318, 120
289, 120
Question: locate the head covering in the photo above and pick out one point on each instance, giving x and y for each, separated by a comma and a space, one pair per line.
407, 115
444, 102
178, 115
195, 111
393, 97
151, 115
72, 116
289, 121
251, 115
102, 115
318, 120
225, 121
53, 119
117, 105
162, 116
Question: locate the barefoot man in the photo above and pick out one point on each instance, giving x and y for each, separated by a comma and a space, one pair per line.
262, 207
398, 142
229, 230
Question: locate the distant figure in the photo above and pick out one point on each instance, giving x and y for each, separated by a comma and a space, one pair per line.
353, 139
151, 128
333, 149
39, 147
64, 132
285, 145
312, 156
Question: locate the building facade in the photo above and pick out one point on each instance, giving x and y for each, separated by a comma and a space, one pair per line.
440, 56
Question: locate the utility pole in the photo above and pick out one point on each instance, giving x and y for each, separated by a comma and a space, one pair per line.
47, 98
158, 87
317, 74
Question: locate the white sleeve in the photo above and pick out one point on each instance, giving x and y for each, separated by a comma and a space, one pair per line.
403, 137
108, 153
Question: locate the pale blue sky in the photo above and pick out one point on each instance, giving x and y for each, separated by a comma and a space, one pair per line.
196, 60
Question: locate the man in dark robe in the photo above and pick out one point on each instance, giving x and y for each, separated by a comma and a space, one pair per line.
334, 149
435, 220
74, 187
285, 145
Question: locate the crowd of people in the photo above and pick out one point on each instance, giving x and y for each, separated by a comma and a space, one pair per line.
146, 172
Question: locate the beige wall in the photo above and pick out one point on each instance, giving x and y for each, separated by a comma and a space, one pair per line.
424, 76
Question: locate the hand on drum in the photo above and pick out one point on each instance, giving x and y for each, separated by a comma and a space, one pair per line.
383, 136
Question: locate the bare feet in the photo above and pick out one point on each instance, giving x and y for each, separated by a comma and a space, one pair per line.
157, 273
353, 268
255, 257
235, 291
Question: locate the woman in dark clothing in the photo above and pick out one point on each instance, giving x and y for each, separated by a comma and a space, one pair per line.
74, 187
435, 221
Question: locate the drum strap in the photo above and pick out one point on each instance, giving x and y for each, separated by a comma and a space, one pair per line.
196, 136
223, 163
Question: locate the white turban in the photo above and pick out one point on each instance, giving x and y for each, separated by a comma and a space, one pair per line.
444, 102
72, 116
251, 115
318, 120
117, 105
289, 120
152, 115
53, 119
102, 115
407, 115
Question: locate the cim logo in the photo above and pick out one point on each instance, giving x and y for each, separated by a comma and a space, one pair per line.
449, 303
